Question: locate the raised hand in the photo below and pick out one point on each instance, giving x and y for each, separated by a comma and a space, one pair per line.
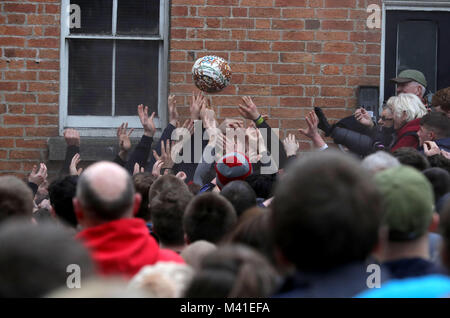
291, 145
38, 176
147, 122
312, 121
230, 123
189, 125
166, 155
363, 117
312, 131
156, 170
249, 109
72, 137
430, 148
73, 165
208, 117
252, 134
45, 204
173, 113
124, 137
137, 169
197, 103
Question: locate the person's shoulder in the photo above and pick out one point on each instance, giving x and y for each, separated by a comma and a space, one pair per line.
413, 125
166, 255
408, 139
444, 143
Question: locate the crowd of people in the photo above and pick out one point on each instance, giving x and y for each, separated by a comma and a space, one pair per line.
230, 209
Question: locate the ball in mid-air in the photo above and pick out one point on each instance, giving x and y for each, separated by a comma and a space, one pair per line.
211, 73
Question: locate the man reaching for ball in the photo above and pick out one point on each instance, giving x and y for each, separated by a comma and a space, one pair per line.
276, 150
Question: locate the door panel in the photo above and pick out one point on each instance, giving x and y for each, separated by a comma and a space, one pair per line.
418, 40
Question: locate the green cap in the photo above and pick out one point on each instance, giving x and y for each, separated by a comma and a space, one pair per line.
409, 76
409, 202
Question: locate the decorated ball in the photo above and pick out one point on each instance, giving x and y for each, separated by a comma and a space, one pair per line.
211, 73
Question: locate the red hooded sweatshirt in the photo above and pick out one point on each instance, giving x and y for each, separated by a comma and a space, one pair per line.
124, 246
408, 140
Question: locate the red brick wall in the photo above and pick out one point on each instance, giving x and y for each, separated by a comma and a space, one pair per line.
29, 82
289, 55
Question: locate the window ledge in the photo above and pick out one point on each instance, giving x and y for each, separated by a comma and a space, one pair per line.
91, 148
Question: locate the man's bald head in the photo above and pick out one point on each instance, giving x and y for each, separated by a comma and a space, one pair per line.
105, 191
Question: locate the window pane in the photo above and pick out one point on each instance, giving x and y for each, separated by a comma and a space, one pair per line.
136, 76
96, 16
417, 48
90, 73
138, 17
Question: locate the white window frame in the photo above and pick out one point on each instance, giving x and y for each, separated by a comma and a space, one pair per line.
404, 6
105, 126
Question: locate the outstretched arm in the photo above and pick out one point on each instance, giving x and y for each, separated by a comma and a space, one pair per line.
291, 145
72, 138
124, 144
37, 177
249, 110
363, 117
167, 132
142, 150
312, 132
197, 111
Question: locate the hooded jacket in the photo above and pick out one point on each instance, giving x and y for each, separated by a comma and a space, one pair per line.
124, 246
407, 135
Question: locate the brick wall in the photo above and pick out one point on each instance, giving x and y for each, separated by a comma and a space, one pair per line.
29, 82
290, 55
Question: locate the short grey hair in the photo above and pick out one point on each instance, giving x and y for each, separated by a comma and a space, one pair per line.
423, 89
379, 161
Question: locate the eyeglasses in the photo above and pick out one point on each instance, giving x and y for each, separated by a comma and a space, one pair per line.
386, 119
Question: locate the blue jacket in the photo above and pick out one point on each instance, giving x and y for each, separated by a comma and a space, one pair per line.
443, 144
412, 267
432, 286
